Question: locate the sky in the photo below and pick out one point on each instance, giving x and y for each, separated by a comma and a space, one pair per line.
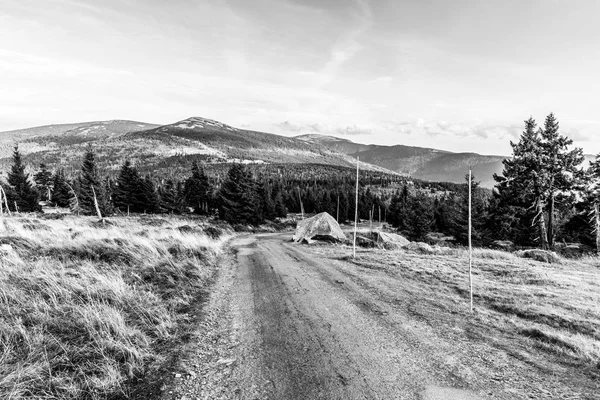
457, 75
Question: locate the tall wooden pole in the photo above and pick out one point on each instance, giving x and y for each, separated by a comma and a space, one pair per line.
301, 206
355, 211
470, 248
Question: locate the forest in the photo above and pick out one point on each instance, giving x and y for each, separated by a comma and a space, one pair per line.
544, 197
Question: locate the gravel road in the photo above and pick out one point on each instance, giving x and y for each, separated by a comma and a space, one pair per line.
283, 323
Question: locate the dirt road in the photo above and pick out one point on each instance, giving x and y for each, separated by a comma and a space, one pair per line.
284, 323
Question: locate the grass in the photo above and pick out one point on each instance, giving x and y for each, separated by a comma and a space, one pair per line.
553, 307
85, 310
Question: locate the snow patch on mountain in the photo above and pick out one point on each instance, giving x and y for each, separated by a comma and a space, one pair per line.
201, 123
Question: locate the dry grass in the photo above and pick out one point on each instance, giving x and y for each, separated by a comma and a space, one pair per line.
549, 307
86, 308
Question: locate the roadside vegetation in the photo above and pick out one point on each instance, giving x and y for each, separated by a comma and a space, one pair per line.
521, 304
87, 309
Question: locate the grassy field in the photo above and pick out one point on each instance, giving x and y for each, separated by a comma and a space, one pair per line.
545, 313
88, 309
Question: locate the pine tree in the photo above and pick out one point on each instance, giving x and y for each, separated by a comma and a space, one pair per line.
61, 193
43, 180
197, 190
21, 192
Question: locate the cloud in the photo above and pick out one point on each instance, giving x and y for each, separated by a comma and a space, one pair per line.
325, 129
347, 46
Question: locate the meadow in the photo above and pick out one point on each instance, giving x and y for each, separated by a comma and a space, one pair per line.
545, 315
87, 310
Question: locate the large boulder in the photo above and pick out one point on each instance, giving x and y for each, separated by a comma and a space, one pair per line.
391, 240
320, 227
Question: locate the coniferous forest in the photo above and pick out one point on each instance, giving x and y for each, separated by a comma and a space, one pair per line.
544, 196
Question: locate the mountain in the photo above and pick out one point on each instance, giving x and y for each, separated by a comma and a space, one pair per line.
167, 148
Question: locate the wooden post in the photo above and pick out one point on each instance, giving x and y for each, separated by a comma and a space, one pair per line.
16, 208
597, 217
301, 206
470, 248
355, 211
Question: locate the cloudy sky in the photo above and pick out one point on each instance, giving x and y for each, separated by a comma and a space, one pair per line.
459, 75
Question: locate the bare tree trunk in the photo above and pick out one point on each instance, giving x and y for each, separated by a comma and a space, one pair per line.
97, 206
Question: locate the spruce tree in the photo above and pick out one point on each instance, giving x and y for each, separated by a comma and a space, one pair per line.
43, 181
592, 196
266, 197
128, 194
151, 203
520, 191
238, 197
420, 219
90, 183
459, 224
560, 167
170, 201
61, 193
197, 190
21, 192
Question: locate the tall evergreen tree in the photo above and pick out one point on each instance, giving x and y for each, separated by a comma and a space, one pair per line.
420, 219
21, 192
90, 185
197, 190
519, 190
169, 198
61, 193
43, 181
238, 197
560, 167
128, 194
459, 226
592, 195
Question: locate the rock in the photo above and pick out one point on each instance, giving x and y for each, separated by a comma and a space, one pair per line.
419, 247
503, 244
392, 241
539, 255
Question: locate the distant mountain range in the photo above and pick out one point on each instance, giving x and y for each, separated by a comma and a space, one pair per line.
173, 146
167, 148
419, 162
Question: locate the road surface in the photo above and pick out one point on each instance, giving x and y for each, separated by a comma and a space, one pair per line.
320, 336
288, 321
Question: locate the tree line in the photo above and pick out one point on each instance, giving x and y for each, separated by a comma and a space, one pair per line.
543, 195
